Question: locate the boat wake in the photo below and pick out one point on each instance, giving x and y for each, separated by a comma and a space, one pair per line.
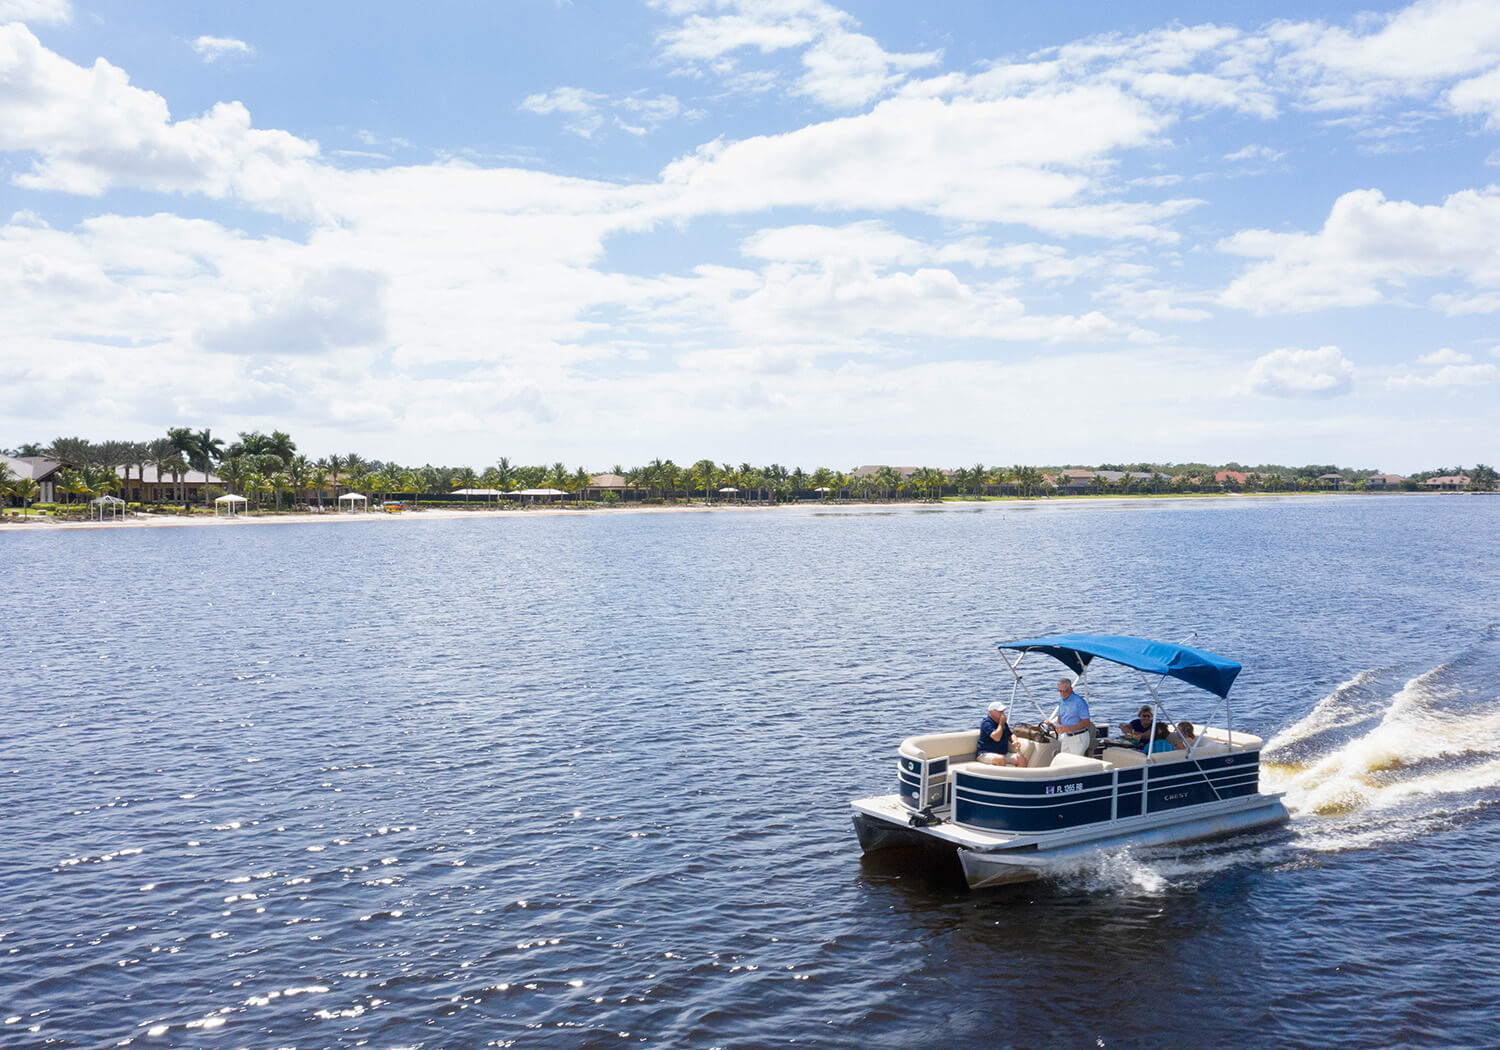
1378, 760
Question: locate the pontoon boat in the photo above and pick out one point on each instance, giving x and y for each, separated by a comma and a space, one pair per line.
1010, 824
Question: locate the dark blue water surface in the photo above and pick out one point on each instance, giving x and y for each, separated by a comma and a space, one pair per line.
584, 781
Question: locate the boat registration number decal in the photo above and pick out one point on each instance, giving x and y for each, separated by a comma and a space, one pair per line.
1063, 789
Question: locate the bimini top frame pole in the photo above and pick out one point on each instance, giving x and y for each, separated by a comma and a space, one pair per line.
1168, 660
1193, 666
1015, 670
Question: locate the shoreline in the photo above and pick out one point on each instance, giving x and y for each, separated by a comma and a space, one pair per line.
138, 520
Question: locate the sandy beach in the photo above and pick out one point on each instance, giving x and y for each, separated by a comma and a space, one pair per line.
331, 517
174, 521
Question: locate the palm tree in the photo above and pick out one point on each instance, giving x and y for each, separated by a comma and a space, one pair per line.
579, 482
463, 478
318, 479
281, 444
298, 473
73, 483
73, 453
25, 490
505, 474
392, 478
978, 479
335, 465
233, 471
208, 450
705, 471
159, 453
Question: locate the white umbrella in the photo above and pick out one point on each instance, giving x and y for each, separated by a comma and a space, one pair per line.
729, 488
112, 503
230, 503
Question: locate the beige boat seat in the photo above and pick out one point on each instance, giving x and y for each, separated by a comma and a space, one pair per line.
1124, 756
959, 746
1039, 755
1059, 764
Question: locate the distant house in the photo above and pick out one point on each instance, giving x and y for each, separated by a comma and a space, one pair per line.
1331, 481
1448, 482
1076, 480
1384, 481
869, 470
38, 469
599, 484
1232, 477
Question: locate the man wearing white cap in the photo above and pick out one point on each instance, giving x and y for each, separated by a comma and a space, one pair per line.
994, 739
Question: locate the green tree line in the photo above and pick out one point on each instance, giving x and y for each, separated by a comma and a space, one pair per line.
269, 469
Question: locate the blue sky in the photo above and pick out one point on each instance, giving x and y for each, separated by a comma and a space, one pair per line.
757, 230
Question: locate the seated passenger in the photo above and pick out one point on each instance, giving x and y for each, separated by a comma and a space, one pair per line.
1161, 740
1139, 727
1186, 734
994, 740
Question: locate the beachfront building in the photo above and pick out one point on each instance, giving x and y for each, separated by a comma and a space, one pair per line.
1383, 482
599, 484
1232, 477
1447, 483
39, 469
1074, 481
145, 485
1333, 482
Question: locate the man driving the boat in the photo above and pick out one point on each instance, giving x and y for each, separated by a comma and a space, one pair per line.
1074, 727
994, 739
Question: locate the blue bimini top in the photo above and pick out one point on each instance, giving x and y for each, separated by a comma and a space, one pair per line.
1193, 666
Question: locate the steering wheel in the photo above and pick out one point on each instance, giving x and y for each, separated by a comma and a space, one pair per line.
1047, 731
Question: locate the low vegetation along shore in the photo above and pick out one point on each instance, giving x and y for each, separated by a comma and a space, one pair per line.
190, 475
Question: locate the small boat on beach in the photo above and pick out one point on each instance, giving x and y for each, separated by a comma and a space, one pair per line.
1010, 823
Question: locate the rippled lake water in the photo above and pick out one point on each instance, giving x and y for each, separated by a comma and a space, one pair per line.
584, 781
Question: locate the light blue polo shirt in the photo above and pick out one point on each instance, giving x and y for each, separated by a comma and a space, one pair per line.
1072, 710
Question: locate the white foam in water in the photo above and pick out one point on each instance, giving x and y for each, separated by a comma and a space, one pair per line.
1435, 745
1394, 761
1338, 709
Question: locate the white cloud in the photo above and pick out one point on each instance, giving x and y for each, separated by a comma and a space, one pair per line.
1370, 247
842, 69
213, 48
1479, 95
1029, 159
1447, 377
417, 299
92, 131
585, 109
1407, 53
580, 106
1324, 372
1444, 369
863, 242
1446, 356
1264, 154
36, 12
